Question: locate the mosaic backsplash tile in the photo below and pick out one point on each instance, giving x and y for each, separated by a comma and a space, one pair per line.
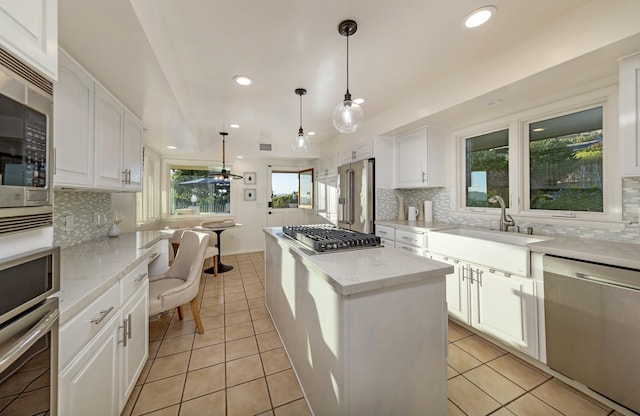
82, 205
387, 209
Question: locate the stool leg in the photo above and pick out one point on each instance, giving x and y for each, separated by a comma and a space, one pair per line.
180, 313
215, 265
196, 315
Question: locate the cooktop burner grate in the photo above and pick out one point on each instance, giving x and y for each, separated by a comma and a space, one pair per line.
324, 238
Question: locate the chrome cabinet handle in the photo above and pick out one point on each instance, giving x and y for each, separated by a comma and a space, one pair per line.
382, 232
129, 326
479, 276
141, 277
103, 314
424, 177
124, 333
464, 273
507, 274
153, 256
492, 270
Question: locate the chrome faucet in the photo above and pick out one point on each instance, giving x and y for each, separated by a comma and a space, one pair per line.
506, 220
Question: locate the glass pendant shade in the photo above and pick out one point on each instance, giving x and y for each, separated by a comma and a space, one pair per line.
347, 116
301, 141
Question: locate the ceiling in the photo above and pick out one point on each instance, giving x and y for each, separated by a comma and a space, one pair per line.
172, 63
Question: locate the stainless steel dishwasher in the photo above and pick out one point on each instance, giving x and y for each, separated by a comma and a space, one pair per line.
592, 314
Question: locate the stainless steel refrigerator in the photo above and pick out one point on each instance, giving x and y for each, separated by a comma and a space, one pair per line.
356, 191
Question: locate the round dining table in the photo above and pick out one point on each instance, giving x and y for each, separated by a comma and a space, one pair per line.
222, 268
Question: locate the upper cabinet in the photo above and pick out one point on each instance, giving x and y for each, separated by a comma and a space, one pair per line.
98, 142
630, 115
73, 124
420, 158
30, 32
359, 151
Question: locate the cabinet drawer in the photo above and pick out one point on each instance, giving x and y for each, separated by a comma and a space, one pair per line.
386, 243
86, 324
388, 233
413, 249
411, 238
133, 280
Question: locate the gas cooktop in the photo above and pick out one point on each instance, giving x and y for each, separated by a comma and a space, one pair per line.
328, 238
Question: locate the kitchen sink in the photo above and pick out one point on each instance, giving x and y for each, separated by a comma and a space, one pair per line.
502, 251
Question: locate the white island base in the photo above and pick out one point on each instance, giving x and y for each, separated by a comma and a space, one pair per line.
365, 330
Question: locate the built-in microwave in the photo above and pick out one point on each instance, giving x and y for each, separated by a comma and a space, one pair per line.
26, 126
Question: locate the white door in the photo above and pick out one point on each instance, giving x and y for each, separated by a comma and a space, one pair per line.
132, 154
278, 217
457, 289
134, 354
504, 307
89, 384
411, 154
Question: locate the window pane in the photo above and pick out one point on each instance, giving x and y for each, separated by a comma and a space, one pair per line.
565, 160
197, 191
487, 168
284, 189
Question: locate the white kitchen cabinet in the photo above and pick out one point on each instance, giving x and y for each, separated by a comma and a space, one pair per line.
412, 241
98, 142
89, 384
419, 159
496, 303
630, 115
104, 347
327, 166
457, 289
30, 32
504, 306
73, 124
109, 124
135, 346
356, 152
132, 152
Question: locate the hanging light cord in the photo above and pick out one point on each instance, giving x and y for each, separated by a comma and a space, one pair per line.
300, 131
347, 96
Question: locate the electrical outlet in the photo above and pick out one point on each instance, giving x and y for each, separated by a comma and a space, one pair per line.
68, 223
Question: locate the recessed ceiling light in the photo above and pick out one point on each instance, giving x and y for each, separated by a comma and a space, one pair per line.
311, 133
495, 102
240, 157
171, 147
234, 125
538, 129
242, 80
479, 17
358, 101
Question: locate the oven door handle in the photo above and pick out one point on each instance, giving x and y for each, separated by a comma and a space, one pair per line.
28, 339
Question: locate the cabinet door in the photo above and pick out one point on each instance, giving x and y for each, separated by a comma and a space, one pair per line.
89, 385
504, 307
30, 31
132, 156
357, 152
109, 121
457, 288
411, 157
73, 124
135, 315
630, 115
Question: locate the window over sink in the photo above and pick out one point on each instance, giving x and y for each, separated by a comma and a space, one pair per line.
557, 160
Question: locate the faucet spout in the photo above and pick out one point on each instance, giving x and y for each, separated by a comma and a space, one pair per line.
506, 220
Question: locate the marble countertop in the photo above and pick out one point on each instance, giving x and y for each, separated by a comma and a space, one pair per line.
417, 226
88, 269
599, 251
357, 271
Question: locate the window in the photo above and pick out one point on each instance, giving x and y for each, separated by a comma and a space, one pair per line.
194, 190
487, 168
554, 161
565, 162
292, 189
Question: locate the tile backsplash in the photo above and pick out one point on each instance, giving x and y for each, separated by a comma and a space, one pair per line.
387, 209
81, 205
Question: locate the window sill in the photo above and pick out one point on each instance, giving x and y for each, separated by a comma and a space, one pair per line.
607, 223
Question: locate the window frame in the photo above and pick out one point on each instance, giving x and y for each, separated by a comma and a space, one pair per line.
519, 174
292, 170
167, 164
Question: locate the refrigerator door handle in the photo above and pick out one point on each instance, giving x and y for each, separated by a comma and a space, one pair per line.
349, 199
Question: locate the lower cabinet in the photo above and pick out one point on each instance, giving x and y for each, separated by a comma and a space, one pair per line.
97, 376
496, 303
89, 384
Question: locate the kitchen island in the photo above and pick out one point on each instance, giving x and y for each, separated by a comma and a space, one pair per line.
365, 329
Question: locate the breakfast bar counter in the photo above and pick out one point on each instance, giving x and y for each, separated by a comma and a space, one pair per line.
365, 329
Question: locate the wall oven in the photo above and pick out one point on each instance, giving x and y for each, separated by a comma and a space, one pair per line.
26, 126
29, 333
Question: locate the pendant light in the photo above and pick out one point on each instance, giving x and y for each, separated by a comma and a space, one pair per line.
348, 115
224, 174
301, 142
